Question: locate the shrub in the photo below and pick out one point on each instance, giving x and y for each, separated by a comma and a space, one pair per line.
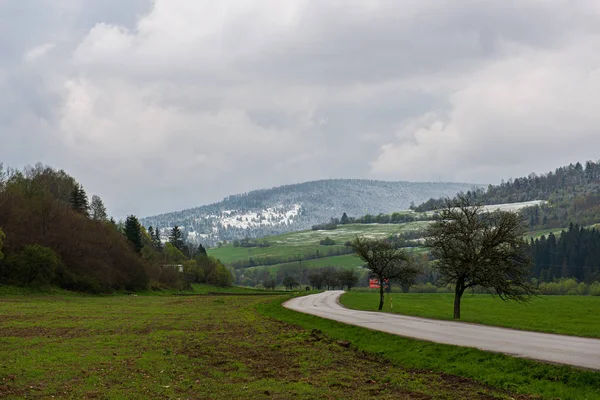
35, 265
327, 242
583, 289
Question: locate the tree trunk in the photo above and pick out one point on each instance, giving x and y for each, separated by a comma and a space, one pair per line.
381, 298
458, 292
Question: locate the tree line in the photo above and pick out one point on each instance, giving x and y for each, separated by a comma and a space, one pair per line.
575, 253
393, 218
571, 192
568, 181
331, 251
52, 235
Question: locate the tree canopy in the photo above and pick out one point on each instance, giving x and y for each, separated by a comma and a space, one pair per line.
97, 209
290, 283
472, 247
176, 238
385, 262
79, 200
133, 233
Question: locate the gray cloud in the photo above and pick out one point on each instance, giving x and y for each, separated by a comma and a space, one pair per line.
168, 104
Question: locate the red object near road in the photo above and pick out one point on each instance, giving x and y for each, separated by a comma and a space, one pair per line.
374, 283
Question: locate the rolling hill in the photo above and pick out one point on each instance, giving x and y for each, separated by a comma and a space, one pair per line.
296, 207
296, 253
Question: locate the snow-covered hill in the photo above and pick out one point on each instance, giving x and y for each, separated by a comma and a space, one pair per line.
299, 206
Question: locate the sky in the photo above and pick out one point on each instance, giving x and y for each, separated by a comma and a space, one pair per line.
162, 105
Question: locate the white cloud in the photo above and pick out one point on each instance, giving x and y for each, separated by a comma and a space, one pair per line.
38, 52
158, 106
529, 111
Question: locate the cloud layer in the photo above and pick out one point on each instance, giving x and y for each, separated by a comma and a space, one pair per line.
174, 103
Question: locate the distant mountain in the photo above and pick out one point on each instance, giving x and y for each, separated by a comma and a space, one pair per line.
295, 207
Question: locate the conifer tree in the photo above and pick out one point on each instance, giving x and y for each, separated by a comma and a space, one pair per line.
79, 200
133, 232
156, 239
344, 219
176, 238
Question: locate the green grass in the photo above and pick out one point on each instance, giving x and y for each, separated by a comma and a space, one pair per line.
296, 244
347, 261
543, 232
218, 347
513, 374
569, 315
206, 289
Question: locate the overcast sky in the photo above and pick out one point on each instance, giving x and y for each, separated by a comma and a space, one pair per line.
168, 104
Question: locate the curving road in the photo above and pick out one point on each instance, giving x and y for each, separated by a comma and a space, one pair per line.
576, 351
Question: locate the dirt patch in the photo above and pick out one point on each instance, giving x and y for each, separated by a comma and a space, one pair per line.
37, 331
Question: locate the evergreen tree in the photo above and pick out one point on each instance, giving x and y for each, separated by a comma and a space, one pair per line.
79, 200
98, 210
344, 219
133, 232
156, 239
176, 238
202, 250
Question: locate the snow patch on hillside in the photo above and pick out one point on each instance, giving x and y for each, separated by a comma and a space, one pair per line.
268, 217
514, 206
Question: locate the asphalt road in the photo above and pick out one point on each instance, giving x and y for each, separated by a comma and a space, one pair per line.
576, 351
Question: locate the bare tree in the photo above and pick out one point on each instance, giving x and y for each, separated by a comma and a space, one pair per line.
473, 247
385, 262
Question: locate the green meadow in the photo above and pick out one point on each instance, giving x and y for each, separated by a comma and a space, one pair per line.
569, 315
224, 347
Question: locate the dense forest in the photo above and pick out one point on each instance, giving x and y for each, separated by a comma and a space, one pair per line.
572, 194
575, 253
50, 234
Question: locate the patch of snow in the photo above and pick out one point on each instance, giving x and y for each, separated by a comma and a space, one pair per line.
271, 216
514, 206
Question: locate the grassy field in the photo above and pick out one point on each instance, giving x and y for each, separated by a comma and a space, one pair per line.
217, 347
569, 315
296, 244
544, 232
347, 261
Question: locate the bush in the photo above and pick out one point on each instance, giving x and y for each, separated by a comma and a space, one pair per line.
290, 283
325, 227
568, 287
595, 289
327, 242
215, 273
35, 265
426, 288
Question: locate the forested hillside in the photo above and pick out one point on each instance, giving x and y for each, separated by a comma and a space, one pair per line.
51, 235
295, 207
572, 193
